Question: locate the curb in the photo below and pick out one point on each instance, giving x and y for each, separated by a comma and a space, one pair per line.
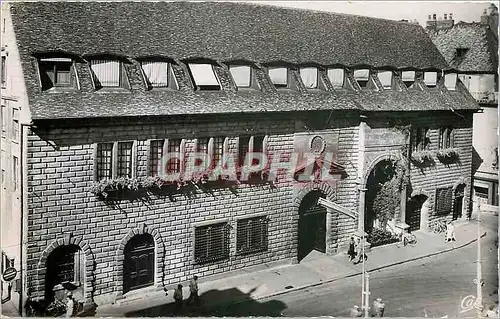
359, 272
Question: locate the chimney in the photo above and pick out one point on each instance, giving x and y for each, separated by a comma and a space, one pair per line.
431, 23
445, 23
492, 19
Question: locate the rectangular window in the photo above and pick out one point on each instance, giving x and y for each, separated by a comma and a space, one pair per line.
252, 235
408, 78
156, 73
336, 77
155, 156
450, 81
385, 77
174, 149
4, 120
124, 162
55, 72
204, 76
243, 149
446, 137
211, 243
15, 169
202, 149
362, 77
218, 150
309, 77
279, 77
257, 147
444, 200
430, 79
420, 141
4, 70
242, 75
107, 73
104, 161
15, 125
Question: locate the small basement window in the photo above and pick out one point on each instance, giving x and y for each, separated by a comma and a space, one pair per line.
408, 78
385, 77
279, 76
242, 75
204, 77
158, 74
56, 72
450, 81
362, 77
108, 74
309, 77
337, 77
430, 79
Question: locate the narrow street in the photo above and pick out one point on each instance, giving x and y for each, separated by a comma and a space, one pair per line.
433, 287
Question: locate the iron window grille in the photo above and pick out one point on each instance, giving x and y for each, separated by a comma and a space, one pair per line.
125, 159
252, 235
114, 160
104, 161
174, 163
211, 243
155, 156
218, 150
66, 264
446, 137
420, 140
56, 72
444, 199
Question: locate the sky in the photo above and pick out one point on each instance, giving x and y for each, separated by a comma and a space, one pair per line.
396, 10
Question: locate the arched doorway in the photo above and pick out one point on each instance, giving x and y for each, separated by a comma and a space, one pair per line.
414, 212
65, 266
139, 262
312, 225
377, 198
458, 202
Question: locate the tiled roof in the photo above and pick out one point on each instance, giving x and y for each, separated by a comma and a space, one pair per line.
222, 32
479, 40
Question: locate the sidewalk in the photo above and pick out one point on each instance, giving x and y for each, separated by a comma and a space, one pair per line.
315, 269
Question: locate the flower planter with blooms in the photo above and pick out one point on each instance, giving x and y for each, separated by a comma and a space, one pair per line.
422, 158
447, 155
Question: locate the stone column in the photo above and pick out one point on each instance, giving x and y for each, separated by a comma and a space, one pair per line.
361, 173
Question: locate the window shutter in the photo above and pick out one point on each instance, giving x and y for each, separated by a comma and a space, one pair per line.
203, 74
450, 81
156, 73
452, 137
336, 77
279, 76
309, 77
241, 75
107, 72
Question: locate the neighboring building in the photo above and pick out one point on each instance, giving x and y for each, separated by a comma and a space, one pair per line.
101, 100
472, 49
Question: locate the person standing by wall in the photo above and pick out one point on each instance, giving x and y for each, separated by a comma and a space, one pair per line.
193, 291
178, 299
70, 305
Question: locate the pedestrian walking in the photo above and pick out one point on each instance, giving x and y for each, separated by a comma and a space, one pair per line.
379, 307
450, 232
178, 299
351, 252
70, 305
356, 312
359, 252
193, 291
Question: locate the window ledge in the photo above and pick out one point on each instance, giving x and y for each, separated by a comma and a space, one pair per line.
112, 90
61, 90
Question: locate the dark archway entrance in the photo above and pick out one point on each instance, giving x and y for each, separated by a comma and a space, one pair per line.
458, 201
312, 225
381, 173
414, 211
139, 263
64, 266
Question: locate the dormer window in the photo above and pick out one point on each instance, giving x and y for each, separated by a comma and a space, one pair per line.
385, 77
309, 77
204, 77
108, 73
450, 81
362, 76
158, 74
279, 76
408, 78
336, 77
430, 79
56, 72
242, 75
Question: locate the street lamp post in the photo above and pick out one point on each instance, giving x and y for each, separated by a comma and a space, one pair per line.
479, 291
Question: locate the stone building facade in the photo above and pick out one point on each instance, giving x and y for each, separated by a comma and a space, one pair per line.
97, 216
